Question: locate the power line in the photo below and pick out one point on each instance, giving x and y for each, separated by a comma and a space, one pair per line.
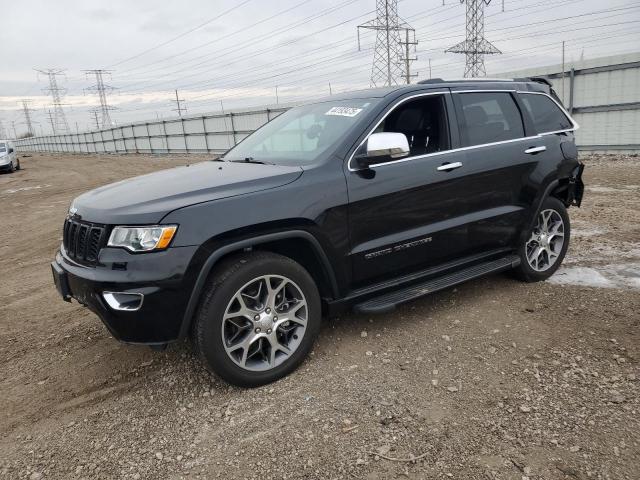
177, 37
101, 89
474, 46
59, 120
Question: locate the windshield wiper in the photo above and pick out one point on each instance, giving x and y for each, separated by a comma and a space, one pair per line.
253, 160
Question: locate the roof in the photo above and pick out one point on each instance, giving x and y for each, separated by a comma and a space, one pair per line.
528, 84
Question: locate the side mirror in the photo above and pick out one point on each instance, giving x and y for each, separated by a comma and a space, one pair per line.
382, 147
10, 150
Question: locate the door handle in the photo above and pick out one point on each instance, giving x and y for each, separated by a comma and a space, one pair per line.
445, 167
534, 150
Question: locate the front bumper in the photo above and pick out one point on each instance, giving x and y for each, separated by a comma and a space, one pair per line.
164, 279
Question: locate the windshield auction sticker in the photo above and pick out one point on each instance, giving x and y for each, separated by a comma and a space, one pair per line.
344, 111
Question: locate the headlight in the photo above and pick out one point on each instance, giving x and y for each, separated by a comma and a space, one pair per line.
142, 239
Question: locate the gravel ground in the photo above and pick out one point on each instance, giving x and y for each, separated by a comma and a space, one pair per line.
495, 379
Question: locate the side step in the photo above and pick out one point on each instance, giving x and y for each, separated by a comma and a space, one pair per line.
388, 301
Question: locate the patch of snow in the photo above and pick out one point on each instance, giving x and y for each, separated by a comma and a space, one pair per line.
605, 276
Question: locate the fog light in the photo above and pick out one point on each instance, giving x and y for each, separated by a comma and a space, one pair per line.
123, 301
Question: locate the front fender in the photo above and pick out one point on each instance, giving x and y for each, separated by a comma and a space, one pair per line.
220, 252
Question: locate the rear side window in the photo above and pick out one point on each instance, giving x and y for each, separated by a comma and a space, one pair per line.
545, 113
489, 117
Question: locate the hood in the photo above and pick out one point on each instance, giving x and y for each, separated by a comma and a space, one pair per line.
148, 198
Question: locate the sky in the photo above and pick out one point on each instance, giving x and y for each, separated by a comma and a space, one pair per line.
227, 54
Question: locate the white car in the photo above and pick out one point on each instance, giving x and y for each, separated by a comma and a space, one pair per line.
9, 161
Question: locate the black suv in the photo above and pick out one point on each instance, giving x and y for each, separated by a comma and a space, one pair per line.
364, 200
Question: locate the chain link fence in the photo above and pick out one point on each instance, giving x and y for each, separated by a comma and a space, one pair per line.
214, 133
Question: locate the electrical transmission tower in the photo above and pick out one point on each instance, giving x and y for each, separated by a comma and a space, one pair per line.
179, 105
391, 65
475, 46
59, 124
3, 132
101, 89
27, 117
52, 120
95, 117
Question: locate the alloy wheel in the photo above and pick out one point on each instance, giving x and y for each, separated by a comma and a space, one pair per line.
547, 239
264, 322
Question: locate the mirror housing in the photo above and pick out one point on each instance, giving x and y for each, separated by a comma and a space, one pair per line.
382, 147
10, 150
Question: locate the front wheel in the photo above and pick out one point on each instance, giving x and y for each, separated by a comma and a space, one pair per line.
258, 319
543, 251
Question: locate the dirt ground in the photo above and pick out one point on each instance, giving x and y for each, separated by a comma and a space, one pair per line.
495, 379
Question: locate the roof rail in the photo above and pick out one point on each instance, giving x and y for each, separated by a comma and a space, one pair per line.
475, 79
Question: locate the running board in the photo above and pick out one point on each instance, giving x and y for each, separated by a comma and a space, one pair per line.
388, 301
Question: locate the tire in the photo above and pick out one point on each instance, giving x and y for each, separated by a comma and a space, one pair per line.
18, 165
12, 167
220, 328
543, 241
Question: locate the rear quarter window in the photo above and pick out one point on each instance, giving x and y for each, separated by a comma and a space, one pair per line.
489, 117
546, 115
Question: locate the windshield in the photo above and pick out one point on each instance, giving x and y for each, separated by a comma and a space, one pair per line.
300, 135
3, 147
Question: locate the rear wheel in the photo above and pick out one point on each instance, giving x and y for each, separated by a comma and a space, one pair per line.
258, 319
543, 251
18, 165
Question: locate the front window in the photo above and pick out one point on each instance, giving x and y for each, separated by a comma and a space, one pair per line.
300, 135
3, 147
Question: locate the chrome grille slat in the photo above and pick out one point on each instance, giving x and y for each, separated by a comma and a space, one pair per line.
82, 241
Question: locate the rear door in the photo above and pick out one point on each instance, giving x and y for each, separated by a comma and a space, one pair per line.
499, 162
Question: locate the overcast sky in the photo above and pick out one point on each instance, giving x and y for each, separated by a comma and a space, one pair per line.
238, 51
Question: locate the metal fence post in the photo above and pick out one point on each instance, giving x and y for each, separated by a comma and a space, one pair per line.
204, 131
184, 136
233, 128
166, 137
572, 79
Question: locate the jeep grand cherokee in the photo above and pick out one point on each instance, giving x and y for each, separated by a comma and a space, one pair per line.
364, 200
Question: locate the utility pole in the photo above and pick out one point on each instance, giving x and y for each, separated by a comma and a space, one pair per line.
101, 89
13, 126
179, 108
390, 63
277, 98
330, 92
3, 132
60, 120
27, 116
407, 58
430, 68
475, 46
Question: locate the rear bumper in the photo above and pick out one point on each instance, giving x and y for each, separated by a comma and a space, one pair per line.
162, 281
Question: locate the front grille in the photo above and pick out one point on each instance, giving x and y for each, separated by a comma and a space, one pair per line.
83, 240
